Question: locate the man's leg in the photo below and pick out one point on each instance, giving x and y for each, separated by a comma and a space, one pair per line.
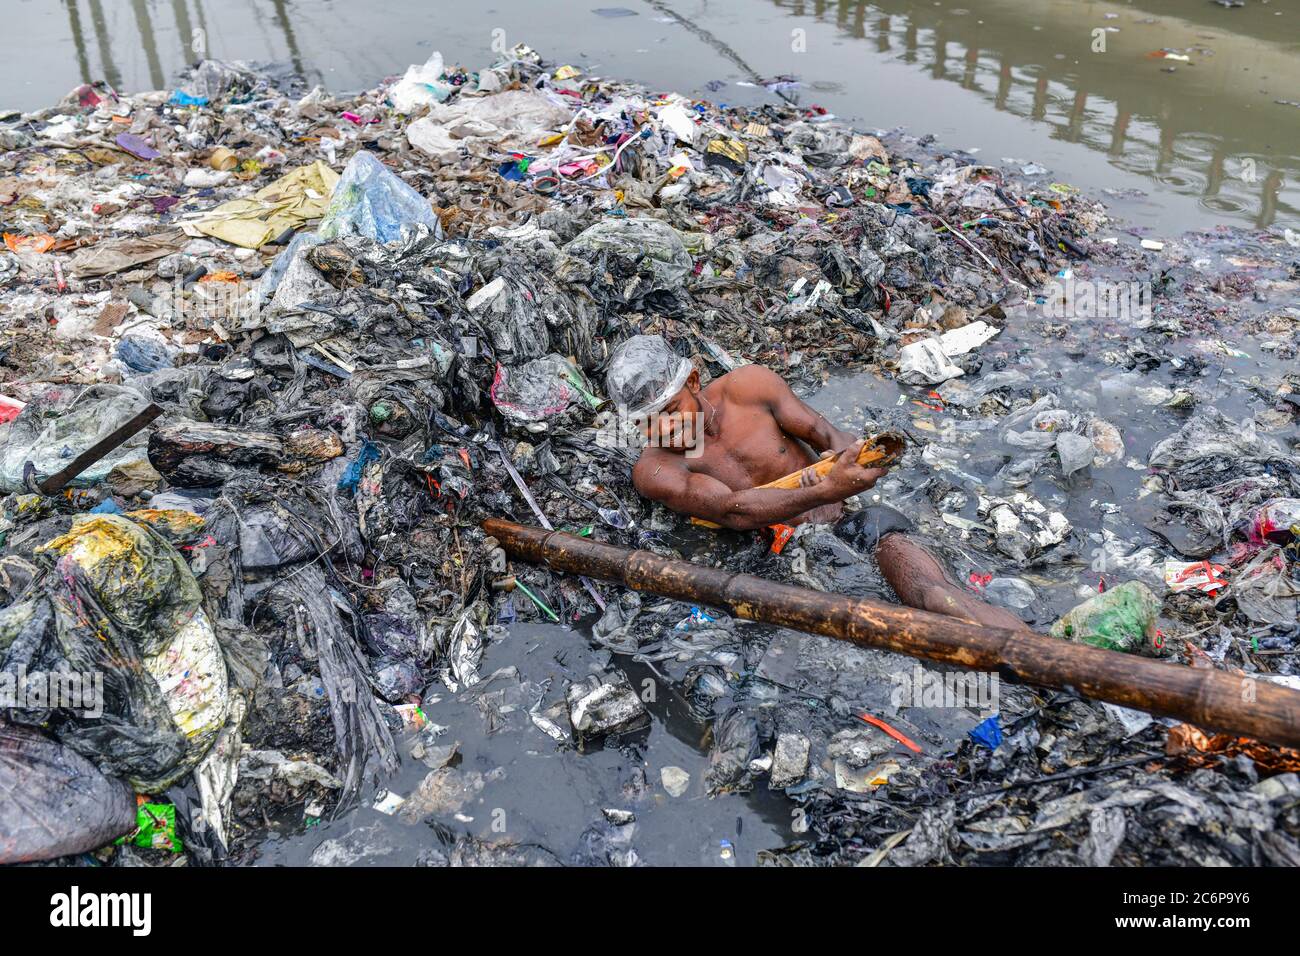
921, 581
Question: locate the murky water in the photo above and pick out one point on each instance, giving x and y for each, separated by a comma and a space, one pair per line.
538, 795
1109, 367
511, 784
1014, 79
1068, 84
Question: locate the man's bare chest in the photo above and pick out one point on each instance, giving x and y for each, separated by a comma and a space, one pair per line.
750, 449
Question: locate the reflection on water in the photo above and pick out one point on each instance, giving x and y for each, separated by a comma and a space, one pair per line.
1207, 128
154, 39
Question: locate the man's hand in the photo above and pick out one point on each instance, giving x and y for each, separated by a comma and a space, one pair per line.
665, 478
847, 477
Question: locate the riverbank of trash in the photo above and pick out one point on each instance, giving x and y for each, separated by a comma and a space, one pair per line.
365, 323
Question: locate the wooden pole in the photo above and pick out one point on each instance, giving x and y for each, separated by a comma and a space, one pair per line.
1210, 699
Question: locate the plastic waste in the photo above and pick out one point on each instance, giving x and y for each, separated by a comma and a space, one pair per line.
111, 256
1276, 522
735, 745
362, 737
284, 205
498, 122
1122, 618
599, 709
61, 424
291, 260
988, 733
789, 760
136, 146
645, 373
142, 353
646, 248
1201, 575
165, 685
1075, 452
351, 477
55, 802
539, 390
155, 828
371, 201
1211, 434
421, 85
1022, 525
1265, 590
1009, 592
212, 79
181, 98
509, 310
967, 338
926, 363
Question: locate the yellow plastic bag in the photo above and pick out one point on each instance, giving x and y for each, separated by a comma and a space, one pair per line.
287, 203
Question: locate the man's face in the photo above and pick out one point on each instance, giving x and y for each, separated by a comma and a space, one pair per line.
679, 425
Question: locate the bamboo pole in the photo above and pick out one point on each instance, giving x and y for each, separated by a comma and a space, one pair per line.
880, 450
1210, 699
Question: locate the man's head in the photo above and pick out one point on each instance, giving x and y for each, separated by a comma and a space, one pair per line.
658, 391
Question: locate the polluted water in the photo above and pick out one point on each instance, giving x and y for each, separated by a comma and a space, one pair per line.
272, 355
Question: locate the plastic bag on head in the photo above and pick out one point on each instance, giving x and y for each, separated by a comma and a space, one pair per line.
645, 373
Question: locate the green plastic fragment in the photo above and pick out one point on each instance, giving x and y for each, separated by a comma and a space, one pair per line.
1122, 618
155, 828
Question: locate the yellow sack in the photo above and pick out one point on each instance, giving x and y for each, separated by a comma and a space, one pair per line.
287, 203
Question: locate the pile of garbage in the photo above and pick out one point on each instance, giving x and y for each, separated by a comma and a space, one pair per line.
366, 323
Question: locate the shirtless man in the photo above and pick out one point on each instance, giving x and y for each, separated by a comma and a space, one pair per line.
710, 447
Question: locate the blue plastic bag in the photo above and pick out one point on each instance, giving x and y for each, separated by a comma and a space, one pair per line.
370, 200
181, 98
141, 354
352, 475
988, 733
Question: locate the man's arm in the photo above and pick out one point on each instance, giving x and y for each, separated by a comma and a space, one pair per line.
662, 478
793, 416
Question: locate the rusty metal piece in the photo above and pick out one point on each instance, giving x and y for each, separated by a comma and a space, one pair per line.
55, 482
1236, 704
